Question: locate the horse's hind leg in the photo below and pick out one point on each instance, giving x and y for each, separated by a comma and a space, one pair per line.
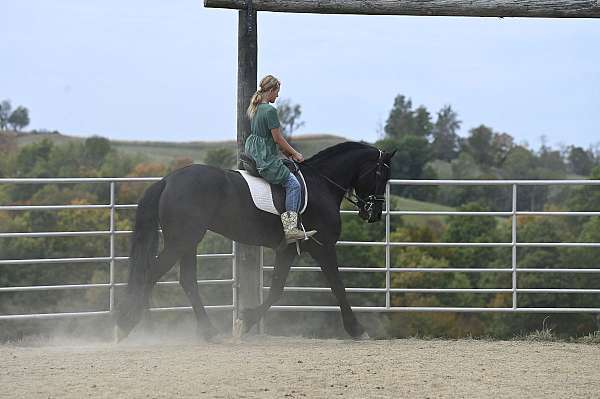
189, 282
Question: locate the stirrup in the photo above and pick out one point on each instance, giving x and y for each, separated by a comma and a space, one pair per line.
307, 234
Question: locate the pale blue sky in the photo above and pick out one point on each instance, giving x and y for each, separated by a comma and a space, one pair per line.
166, 70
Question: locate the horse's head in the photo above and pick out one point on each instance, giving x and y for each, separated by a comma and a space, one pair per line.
370, 186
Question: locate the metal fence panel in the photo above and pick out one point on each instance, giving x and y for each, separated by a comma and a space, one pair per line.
514, 244
111, 257
387, 244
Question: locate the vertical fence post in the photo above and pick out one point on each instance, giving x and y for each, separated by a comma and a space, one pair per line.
111, 300
247, 72
388, 283
514, 246
247, 257
261, 284
236, 283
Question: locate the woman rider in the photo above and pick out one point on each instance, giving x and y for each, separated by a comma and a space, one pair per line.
262, 145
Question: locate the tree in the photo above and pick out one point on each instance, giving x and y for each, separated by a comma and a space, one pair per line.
422, 121
581, 162
479, 145
595, 151
412, 155
8, 149
403, 120
519, 163
502, 144
180, 162
551, 159
400, 122
19, 118
222, 157
32, 160
8, 143
473, 229
586, 198
445, 137
289, 116
465, 167
5, 110
95, 150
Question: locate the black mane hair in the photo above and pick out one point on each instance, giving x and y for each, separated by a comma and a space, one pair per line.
329, 152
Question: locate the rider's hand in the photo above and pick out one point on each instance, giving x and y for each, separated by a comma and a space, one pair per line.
298, 157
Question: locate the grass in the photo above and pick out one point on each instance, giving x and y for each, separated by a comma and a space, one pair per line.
196, 150
545, 334
591, 338
407, 204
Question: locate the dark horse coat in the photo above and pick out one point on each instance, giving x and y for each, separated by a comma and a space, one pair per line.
197, 198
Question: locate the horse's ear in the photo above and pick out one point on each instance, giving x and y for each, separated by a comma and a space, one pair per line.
390, 155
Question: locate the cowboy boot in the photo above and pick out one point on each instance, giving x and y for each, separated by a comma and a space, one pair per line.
290, 228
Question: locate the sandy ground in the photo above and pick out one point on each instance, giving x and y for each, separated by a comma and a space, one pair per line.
265, 367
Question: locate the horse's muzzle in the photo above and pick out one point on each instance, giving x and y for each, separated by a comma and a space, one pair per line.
374, 217
370, 214
371, 209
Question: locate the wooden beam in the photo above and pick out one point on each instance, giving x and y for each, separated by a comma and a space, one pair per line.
464, 8
247, 257
247, 73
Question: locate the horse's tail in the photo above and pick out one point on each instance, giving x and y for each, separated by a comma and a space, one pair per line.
144, 243
144, 246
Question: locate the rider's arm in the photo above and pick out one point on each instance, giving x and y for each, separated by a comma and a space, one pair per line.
284, 146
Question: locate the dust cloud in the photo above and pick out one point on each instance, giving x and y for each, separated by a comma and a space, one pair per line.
266, 366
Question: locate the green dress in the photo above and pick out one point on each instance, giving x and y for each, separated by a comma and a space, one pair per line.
262, 148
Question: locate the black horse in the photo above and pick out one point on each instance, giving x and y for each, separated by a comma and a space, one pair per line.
197, 198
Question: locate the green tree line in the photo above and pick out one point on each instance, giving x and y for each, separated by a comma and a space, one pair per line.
427, 148
16, 119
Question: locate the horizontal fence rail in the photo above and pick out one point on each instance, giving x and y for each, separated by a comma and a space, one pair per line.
387, 244
514, 244
111, 259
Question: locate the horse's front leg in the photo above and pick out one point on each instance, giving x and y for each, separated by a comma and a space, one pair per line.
327, 258
283, 262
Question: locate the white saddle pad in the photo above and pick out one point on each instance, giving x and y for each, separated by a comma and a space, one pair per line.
262, 195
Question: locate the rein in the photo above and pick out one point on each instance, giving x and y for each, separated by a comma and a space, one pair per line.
358, 201
346, 190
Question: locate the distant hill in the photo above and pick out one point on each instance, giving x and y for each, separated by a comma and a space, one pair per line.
164, 151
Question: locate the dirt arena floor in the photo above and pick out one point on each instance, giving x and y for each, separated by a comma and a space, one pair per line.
272, 367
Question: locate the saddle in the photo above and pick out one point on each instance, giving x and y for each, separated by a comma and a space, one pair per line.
259, 187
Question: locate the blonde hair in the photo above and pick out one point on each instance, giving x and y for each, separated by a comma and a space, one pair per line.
267, 84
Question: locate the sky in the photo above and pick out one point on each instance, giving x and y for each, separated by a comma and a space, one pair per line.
167, 70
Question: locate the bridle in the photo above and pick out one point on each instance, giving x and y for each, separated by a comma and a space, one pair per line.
365, 205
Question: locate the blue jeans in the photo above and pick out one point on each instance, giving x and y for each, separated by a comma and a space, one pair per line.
292, 194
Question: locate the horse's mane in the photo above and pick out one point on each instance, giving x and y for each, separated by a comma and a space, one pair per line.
334, 150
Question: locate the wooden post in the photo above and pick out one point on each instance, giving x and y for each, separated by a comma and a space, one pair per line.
247, 257
465, 8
